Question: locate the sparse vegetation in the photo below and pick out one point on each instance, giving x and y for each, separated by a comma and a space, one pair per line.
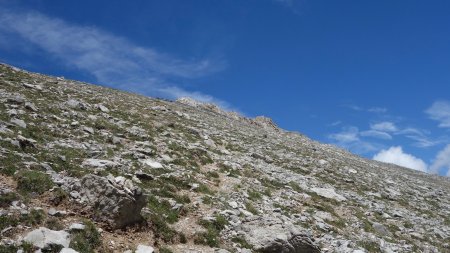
30, 181
7, 198
86, 240
213, 228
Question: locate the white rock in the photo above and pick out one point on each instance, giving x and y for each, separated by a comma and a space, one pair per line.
153, 164
103, 108
233, 204
144, 249
328, 193
19, 122
77, 226
89, 130
98, 163
44, 237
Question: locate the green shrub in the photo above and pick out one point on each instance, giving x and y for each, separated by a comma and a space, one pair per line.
86, 240
9, 164
8, 249
212, 174
207, 238
213, 228
163, 209
242, 242
6, 221
371, 247
7, 198
162, 229
31, 181
54, 224
251, 208
254, 195
164, 250
58, 196
35, 217
26, 247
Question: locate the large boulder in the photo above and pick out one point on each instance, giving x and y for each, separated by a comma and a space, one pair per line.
288, 242
271, 236
118, 203
46, 239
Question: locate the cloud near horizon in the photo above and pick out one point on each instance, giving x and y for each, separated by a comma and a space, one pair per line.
395, 155
442, 161
110, 59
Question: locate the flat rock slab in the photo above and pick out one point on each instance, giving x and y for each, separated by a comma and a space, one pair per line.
328, 193
44, 238
144, 249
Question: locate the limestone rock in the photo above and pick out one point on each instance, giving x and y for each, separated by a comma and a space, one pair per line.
118, 207
270, 235
45, 238
144, 249
19, 122
328, 193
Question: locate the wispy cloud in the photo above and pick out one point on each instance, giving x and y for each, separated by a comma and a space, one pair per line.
111, 59
349, 138
396, 155
421, 138
376, 134
384, 126
440, 111
377, 110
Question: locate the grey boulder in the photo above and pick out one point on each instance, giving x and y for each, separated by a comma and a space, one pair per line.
47, 239
115, 204
277, 240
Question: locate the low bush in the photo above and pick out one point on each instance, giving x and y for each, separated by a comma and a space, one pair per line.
31, 181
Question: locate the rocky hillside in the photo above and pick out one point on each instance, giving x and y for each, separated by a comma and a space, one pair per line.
85, 168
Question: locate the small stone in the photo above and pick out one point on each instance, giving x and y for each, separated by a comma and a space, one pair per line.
56, 213
233, 204
380, 228
103, 108
76, 226
30, 106
88, 130
153, 164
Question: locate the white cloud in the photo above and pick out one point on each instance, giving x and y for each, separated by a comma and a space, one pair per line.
347, 135
385, 126
376, 134
440, 111
421, 137
362, 109
377, 110
354, 107
349, 138
112, 60
336, 123
442, 161
395, 155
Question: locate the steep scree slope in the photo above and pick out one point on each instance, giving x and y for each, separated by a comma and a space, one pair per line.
108, 171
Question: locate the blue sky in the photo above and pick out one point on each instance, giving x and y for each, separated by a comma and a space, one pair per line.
370, 76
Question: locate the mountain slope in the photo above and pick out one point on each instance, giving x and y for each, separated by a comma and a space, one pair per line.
188, 177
